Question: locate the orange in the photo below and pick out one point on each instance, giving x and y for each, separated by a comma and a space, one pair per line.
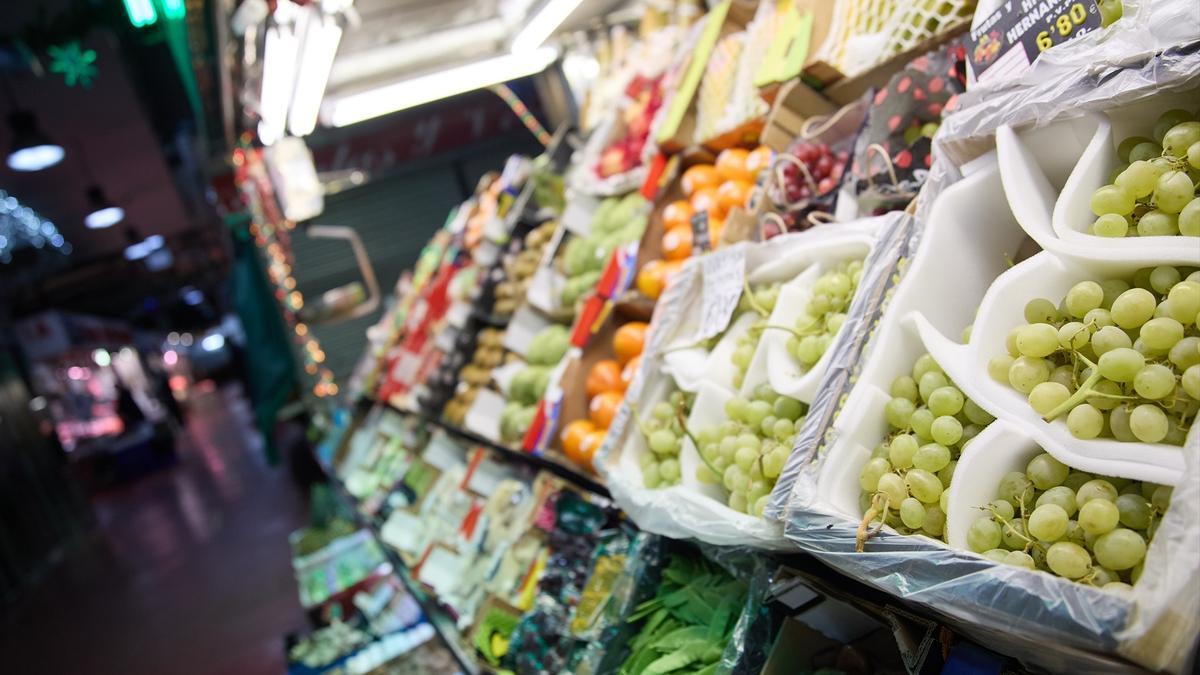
677, 243
629, 340
715, 228
758, 159
699, 176
603, 408
651, 278
587, 449
731, 164
605, 375
733, 193
678, 212
573, 434
630, 370
706, 199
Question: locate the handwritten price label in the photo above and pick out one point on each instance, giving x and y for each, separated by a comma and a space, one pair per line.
724, 276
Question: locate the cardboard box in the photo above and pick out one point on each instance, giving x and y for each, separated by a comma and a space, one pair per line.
795, 103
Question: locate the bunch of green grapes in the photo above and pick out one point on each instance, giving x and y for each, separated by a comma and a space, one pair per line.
1154, 194
1120, 358
664, 436
760, 299
1090, 529
905, 481
825, 313
746, 452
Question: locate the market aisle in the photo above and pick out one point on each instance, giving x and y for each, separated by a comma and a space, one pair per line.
187, 571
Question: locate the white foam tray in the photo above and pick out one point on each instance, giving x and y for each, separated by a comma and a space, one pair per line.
1050, 172
1001, 310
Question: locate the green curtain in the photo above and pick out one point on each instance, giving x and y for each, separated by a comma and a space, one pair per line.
268, 361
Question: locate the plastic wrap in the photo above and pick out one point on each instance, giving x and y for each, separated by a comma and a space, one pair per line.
1041, 619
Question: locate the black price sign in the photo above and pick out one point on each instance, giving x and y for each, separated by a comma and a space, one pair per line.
1008, 42
701, 237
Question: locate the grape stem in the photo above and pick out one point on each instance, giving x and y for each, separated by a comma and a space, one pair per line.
749, 293
1081, 394
696, 444
879, 508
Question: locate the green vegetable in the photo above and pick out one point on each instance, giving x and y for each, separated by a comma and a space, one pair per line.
548, 347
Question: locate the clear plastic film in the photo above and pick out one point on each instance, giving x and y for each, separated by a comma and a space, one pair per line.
1044, 620
753, 635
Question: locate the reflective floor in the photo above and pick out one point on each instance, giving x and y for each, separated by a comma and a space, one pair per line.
187, 570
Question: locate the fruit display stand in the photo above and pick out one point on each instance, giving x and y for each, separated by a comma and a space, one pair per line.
820, 394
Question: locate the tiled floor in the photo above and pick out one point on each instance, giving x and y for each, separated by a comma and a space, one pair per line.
188, 570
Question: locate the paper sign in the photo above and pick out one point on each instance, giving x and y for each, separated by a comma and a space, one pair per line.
1006, 44
577, 217
701, 237
724, 275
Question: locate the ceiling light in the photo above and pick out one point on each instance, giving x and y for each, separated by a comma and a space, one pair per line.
140, 12
438, 85
102, 358
321, 37
141, 249
103, 212
278, 80
31, 150
212, 343
192, 296
543, 24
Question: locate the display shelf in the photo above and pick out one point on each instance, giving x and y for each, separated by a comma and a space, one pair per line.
442, 623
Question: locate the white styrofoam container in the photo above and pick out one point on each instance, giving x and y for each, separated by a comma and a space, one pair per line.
691, 366
968, 241
1001, 310
997, 450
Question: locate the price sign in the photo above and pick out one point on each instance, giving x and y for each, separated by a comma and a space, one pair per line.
1006, 44
724, 275
701, 236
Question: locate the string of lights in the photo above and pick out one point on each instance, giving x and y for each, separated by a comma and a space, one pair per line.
21, 226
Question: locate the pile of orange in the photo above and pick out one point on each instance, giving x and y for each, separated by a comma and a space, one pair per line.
710, 188
605, 388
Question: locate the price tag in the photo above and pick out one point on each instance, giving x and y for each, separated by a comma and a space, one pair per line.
724, 275
1006, 44
577, 217
701, 237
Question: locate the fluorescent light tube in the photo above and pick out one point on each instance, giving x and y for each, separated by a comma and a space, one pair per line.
416, 91
543, 24
321, 37
278, 78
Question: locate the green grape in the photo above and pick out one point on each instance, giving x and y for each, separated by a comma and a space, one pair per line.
1134, 510
912, 513
1184, 301
921, 422
774, 461
1041, 310
1001, 508
1097, 319
1073, 335
1047, 396
757, 490
1146, 150
728, 447
1126, 146
756, 412
1172, 192
1118, 424
1068, 560
735, 408
983, 535
1110, 225
1097, 488
935, 520
1037, 340
651, 477
808, 351
904, 387
1028, 372
1191, 381
738, 501
1085, 421
1015, 487
734, 478
669, 470
1180, 137
1162, 333
997, 555
898, 412
1013, 533
744, 458
663, 442
1185, 353
944, 500
1163, 277
1193, 155
947, 400
1137, 179
705, 475
1158, 223
1188, 221
998, 367
975, 414
1154, 382
783, 430
1061, 496
892, 485
1113, 288
929, 383
1109, 338
946, 474
1010, 342
1046, 472
1121, 364
1148, 423
1105, 402
788, 408
946, 430
931, 457
1113, 199
1048, 522
923, 485
1019, 559
1076, 479
1120, 549
1083, 298
1133, 308
749, 440
925, 364
768, 425
966, 334
902, 450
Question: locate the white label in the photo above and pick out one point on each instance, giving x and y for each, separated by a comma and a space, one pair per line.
577, 217
724, 276
484, 415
